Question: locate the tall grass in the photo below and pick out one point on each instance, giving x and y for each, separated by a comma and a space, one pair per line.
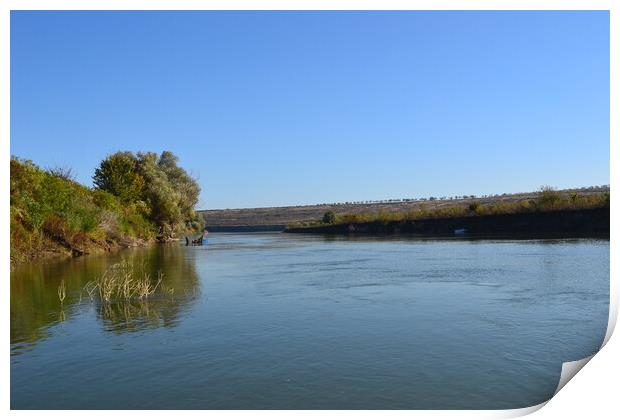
122, 282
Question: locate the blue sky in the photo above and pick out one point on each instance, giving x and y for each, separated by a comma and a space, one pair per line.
278, 108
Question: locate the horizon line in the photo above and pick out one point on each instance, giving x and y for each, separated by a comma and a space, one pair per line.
414, 199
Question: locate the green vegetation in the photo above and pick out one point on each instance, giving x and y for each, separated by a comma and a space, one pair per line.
329, 217
548, 197
136, 199
548, 200
119, 175
474, 207
155, 185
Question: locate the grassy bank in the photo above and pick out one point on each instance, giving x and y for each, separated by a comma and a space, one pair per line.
53, 215
548, 202
137, 200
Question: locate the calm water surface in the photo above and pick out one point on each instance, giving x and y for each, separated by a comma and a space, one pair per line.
283, 321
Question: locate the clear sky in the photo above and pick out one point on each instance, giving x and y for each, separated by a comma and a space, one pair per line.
278, 108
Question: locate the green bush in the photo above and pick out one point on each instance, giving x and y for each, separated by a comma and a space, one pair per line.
548, 198
329, 217
474, 207
105, 200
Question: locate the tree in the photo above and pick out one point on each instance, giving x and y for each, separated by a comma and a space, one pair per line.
119, 175
187, 187
166, 192
329, 217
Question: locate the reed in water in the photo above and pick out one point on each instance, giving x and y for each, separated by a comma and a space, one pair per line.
120, 282
62, 291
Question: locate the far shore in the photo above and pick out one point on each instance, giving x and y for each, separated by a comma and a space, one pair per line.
558, 224
276, 218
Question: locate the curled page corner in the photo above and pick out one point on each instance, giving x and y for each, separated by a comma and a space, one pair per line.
613, 317
570, 369
519, 412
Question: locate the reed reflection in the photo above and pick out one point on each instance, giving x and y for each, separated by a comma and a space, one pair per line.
133, 290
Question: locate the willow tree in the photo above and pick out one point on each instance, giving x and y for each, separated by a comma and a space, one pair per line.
167, 191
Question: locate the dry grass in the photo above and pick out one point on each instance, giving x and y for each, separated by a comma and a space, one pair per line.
62, 291
309, 215
120, 282
547, 199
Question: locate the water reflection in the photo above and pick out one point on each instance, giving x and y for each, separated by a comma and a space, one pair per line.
298, 322
135, 315
36, 303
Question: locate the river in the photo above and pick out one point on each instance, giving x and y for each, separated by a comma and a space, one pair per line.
285, 321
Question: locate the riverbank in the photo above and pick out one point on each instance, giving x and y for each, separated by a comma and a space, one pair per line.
49, 248
268, 218
52, 215
556, 223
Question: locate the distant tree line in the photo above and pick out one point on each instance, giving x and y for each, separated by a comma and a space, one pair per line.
450, 198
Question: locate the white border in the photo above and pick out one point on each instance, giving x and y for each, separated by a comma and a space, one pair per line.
596, 384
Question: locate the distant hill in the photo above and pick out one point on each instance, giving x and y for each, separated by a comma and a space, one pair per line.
276, 218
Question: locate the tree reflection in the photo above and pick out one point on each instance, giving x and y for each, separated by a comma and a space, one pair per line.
36, 306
